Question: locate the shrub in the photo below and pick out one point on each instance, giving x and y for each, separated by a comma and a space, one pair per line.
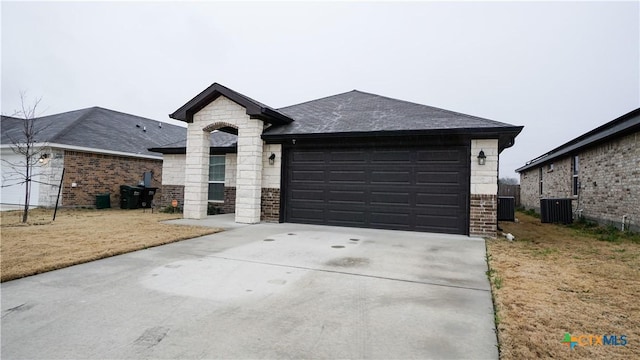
214, 210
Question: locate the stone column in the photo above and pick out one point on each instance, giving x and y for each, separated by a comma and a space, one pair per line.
249, 172
196, 173
483, 207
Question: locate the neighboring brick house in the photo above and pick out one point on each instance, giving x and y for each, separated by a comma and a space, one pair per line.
99, 150
352, 159
599, 171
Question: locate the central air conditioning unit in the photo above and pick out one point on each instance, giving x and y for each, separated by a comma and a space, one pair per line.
556, 211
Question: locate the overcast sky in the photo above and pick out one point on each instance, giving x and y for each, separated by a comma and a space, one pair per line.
560, 69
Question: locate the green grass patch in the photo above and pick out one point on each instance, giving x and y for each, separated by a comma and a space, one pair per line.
545, 252
608, 233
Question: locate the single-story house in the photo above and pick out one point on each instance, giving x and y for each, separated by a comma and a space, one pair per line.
352, 159
100, 149
599, 171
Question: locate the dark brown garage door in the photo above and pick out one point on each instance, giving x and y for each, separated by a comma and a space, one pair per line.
385, 188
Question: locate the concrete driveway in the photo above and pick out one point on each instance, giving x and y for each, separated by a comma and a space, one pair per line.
262, 291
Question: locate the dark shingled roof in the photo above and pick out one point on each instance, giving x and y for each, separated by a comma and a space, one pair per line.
220, 142
360, 112
624, 125
255, 109
100, 129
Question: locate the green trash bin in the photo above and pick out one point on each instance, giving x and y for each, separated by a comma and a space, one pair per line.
103, 201
129, 196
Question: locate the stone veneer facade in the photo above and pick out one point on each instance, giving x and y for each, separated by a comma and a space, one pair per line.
609, 175
483, 202
252, 183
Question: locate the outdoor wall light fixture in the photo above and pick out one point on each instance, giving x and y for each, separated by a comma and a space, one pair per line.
482, 158
272, 159
43, 159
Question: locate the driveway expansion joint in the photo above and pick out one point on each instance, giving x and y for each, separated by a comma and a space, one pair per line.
349, 273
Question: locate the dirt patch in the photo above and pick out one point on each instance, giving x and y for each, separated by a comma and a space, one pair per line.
79, 236
554, 280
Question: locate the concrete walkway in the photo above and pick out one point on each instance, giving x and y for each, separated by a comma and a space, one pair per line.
262, 291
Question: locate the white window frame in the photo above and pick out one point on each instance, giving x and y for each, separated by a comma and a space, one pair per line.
216, 181
575, 175
540, 179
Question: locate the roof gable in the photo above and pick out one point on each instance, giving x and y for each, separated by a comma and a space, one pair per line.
255, 109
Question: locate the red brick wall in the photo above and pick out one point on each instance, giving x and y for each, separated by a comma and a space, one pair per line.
483, 215
229, 206
170, 192
100, 173
270, 205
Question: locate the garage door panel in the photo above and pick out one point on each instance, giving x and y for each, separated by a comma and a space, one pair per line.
391, 156
356, 197
390, 198
434, 211
344, 216
439, 199
403, 188
309, 157
358, 157
438, 223
430, 178
390, 218
313, 216
347, 176
441, 156
307, 195
308, 176
390, 177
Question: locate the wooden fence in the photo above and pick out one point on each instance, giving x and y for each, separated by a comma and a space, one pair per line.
510, 190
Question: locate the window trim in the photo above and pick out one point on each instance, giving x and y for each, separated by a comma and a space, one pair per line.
540, 180
575, 175
217, 201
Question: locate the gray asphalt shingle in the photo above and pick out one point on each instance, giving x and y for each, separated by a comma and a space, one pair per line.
357, 111
98, 128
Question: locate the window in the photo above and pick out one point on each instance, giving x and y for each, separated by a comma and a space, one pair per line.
575, 165
540, 176
216, 178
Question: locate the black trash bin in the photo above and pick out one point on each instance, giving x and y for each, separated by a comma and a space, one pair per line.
129, 196
146, 197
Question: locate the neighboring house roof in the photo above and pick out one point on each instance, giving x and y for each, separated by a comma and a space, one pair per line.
255, 109
621, 126
220, 142
97, 128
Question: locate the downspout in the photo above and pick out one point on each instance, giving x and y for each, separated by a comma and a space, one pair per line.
624, 219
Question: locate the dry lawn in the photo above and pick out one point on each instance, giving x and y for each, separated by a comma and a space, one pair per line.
555, 279
79, 236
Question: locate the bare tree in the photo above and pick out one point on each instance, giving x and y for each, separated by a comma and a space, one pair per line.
27, 143
508, 181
